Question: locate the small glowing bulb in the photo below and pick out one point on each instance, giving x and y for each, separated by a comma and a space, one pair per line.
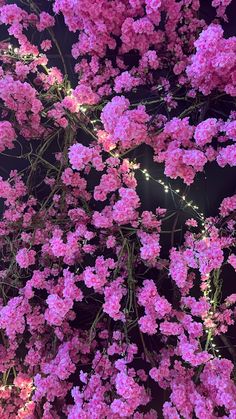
16, 50
177, 190
183, 197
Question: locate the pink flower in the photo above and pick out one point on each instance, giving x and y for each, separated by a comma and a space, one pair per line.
227, 155
85, 95
150, 248
213, 65
232, 261
125, 82
12, 316
25, 257
124, 210
178, 268
205, 131
80, 156
228, 205
191, 222
45, 21
7, 135
113, 294
96, 277
123, 125
46, 44
57, 309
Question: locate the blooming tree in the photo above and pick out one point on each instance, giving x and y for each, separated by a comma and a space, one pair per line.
99, 316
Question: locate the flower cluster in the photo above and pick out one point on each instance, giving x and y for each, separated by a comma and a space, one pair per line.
123, 127
213, 65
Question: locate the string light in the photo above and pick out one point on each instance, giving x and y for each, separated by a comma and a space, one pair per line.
208, 289
176, 192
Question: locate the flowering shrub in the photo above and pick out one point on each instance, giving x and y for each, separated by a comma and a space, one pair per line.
98, 313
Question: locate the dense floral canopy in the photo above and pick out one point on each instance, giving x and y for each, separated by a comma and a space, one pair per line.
100, 315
